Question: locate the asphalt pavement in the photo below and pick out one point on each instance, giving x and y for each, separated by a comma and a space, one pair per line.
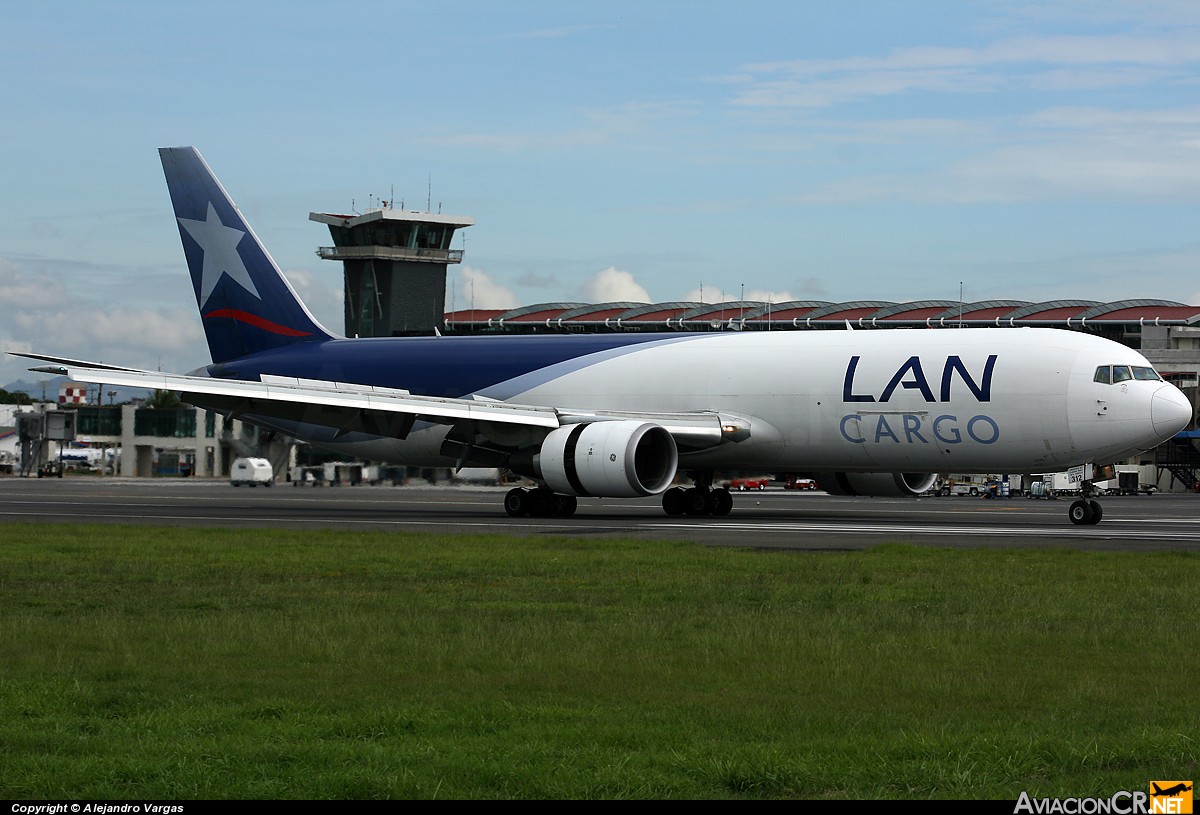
773, 518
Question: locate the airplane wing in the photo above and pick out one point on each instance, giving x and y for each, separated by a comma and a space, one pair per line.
350, 407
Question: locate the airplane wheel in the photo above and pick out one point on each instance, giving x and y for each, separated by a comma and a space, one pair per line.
1097, 511
673, 501
516, 502
1081, 513
565, 506
541, 503
722, 502
695, 502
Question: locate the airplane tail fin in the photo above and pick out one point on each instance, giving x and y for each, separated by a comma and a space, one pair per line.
245, 302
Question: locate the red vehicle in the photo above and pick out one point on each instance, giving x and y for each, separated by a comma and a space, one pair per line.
794, 483
743, 484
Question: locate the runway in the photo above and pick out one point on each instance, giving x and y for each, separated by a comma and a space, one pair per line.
774, 518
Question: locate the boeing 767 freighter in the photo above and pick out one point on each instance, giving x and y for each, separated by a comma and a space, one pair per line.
869, 412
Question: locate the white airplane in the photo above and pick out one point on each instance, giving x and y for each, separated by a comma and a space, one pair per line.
869, 412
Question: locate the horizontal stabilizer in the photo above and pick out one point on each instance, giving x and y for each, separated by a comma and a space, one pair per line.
60, 364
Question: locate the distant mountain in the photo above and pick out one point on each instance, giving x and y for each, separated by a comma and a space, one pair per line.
51, 386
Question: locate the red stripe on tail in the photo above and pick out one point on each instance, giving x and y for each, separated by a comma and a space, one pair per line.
256, 321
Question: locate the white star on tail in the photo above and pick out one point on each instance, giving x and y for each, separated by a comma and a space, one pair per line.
219, 244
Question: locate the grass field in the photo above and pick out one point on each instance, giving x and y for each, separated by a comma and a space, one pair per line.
177, 664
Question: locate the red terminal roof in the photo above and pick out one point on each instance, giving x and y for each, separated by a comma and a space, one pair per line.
849, 314
699, 316
655, 316
473, 315
916, 313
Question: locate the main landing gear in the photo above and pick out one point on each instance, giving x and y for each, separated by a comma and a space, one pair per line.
701, 499
1087, 510
540, 503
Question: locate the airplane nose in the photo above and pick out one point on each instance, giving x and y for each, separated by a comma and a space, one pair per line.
1170, 411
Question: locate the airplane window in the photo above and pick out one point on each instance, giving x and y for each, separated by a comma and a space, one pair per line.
1103, 375
1142, 372
1121, 373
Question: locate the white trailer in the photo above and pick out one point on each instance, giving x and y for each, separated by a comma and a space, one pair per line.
251, 472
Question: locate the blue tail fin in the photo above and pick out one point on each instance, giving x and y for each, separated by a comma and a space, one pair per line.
245, 302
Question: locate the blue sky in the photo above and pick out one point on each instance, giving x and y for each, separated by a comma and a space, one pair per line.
892, 150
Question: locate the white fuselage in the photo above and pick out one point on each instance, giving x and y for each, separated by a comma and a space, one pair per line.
937, 400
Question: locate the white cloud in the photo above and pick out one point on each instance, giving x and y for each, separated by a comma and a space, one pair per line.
612, 285
168, 339
39, 313
473, 288
714, 294
323, 300
24, 292
1171, 13
769, 296
1050, 154
823, 83
1124, 170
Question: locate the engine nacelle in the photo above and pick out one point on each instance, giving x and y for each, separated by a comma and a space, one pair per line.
619, 459
880, 484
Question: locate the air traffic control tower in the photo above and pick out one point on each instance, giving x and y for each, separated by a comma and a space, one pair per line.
395, 268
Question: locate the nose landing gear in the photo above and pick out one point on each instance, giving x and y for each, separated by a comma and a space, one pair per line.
1087, 510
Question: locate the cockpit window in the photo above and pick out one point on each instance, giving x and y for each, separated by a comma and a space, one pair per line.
1108, 374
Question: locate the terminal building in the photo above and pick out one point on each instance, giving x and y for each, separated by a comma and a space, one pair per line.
134, 440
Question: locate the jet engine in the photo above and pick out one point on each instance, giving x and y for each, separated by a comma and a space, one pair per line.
880, 484
617, 459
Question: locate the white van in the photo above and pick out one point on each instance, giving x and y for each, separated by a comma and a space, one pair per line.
252, 472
